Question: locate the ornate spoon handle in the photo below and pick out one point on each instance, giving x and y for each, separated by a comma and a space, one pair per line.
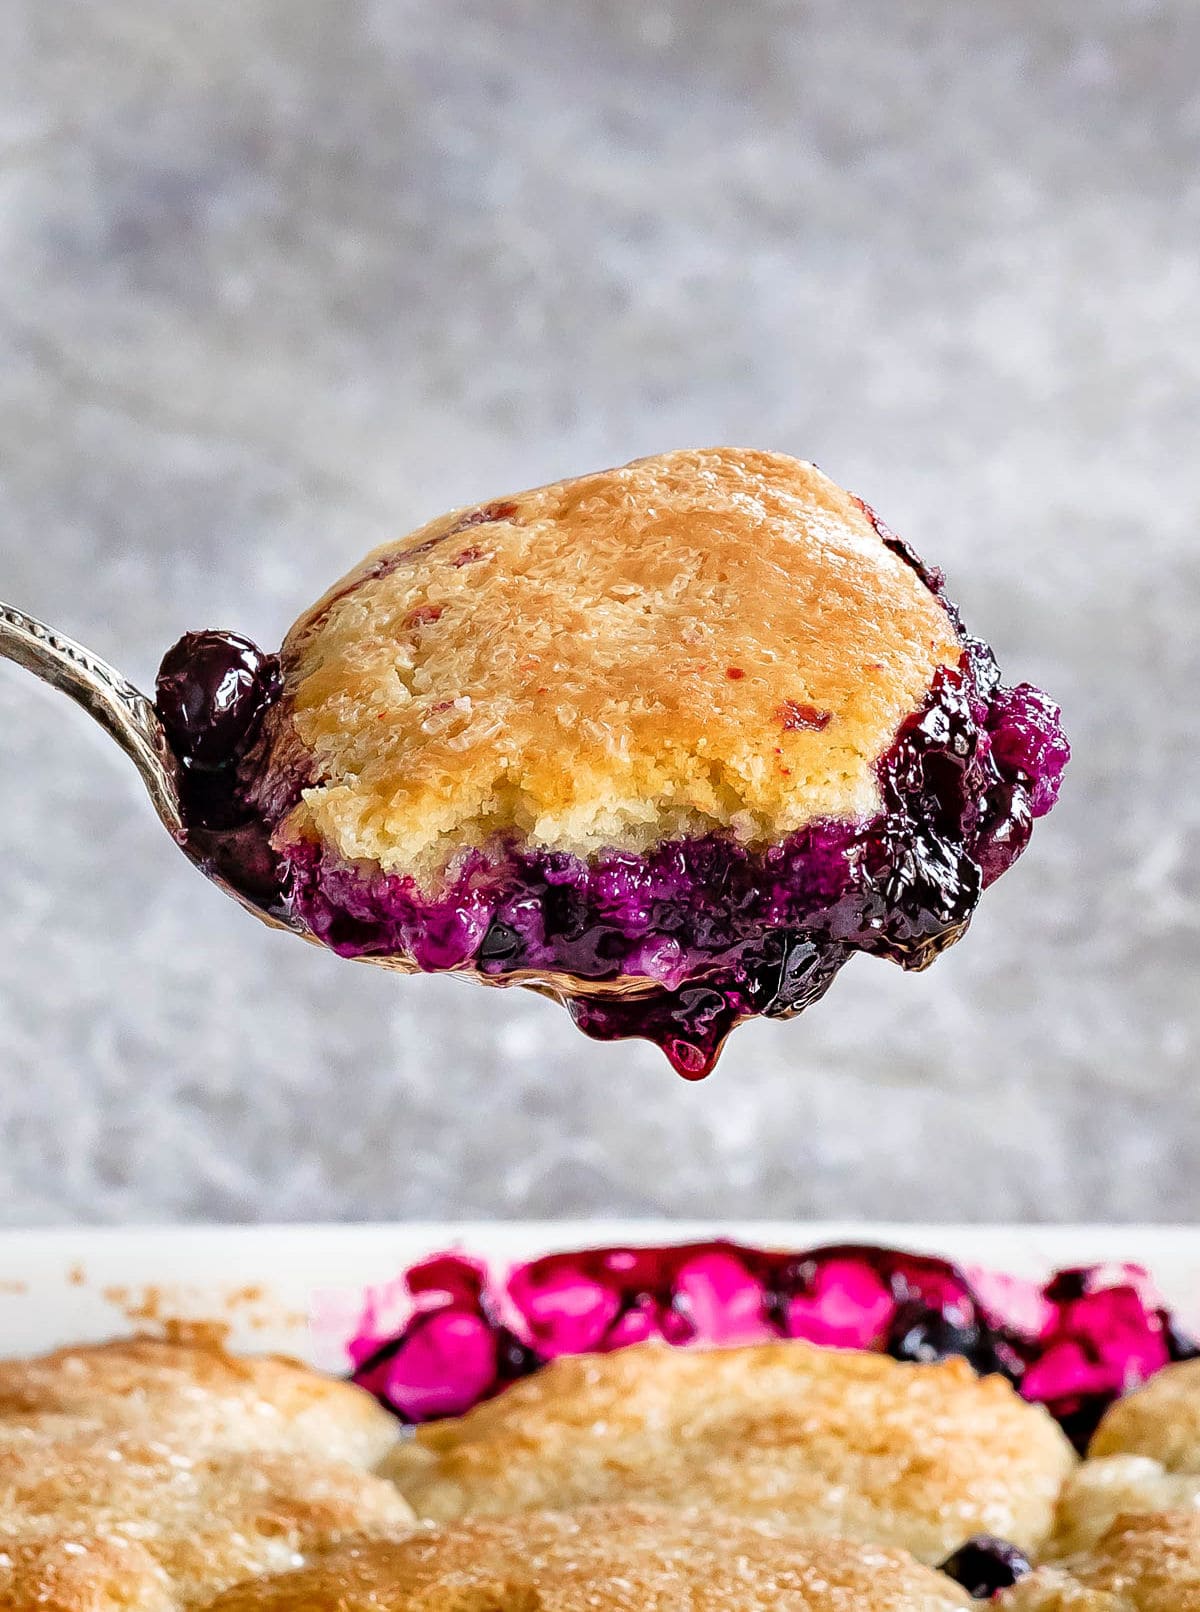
104, 694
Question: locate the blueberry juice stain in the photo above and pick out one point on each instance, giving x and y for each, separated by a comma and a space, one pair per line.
678, 944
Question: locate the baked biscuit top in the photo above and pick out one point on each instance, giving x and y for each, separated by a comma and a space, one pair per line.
1161, 1419
200, 1522
1100, 1491
1145, 1563
82, 1575
605, 1559
185, 1386
711, 639
1143, 1457
831, 1440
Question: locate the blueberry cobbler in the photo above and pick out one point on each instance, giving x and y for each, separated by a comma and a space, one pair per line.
709, 1426
669, 743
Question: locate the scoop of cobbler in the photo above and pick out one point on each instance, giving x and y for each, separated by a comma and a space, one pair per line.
670, 743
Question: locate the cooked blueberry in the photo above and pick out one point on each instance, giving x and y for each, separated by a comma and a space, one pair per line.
501, 943
984, 1566
1004, 829
946, 725
566, 912
677, 1320
1066, 1286
985, 673
926, 892
212, 691
921, 1333
513, 1358
792, 972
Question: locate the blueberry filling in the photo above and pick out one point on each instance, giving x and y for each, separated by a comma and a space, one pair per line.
1072, 1345
984, 1566
683, 942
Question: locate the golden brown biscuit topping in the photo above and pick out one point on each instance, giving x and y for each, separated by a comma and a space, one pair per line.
832, 1440
1145, 1563
187, 1387
204, 1520
618, 1559
708, 639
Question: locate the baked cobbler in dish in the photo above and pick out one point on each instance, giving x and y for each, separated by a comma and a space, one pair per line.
874, 1443
670, 742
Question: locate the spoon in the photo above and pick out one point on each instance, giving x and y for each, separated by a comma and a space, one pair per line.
128, 716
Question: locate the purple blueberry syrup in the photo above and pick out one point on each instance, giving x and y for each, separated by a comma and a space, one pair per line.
452, 1332
685, 941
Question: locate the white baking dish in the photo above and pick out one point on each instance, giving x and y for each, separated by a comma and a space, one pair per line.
269, 1283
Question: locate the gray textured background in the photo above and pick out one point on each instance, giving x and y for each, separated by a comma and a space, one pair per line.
279, 278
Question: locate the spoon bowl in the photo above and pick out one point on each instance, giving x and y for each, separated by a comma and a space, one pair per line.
126, 714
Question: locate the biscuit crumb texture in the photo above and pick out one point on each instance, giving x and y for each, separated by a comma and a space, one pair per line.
187, 1389
716, 639
148, 1474
607, 1559
134, 1512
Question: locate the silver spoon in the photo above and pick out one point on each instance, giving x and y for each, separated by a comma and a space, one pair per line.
124, 712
